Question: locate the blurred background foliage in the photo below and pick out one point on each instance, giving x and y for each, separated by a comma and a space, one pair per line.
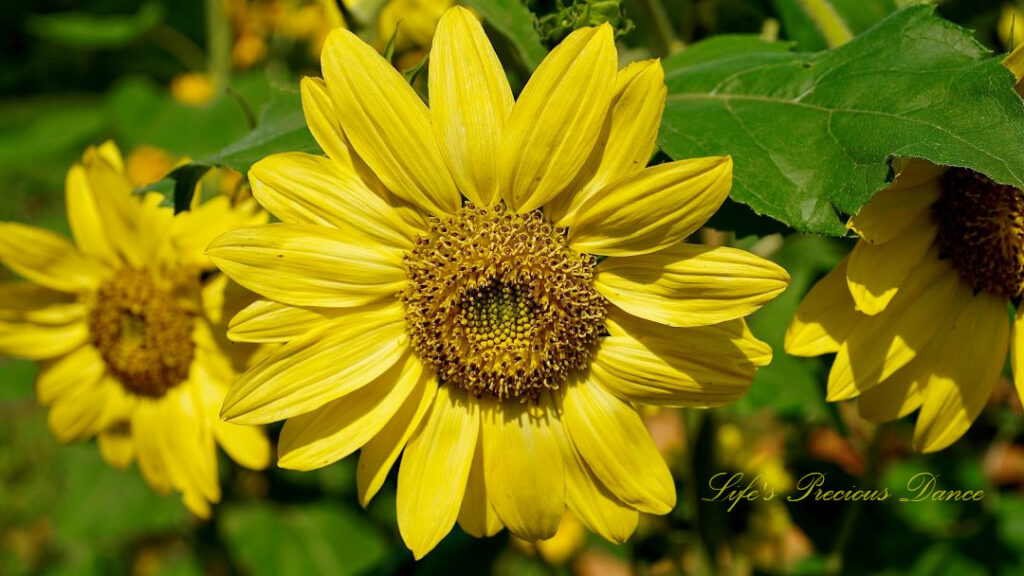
191, 80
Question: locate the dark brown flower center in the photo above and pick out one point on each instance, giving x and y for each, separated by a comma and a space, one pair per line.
981, 229
142, 333
500, 304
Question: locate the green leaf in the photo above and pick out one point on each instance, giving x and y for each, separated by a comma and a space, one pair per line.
855, 15
87, 30
320, 538
811, 134
281, 127
513, 21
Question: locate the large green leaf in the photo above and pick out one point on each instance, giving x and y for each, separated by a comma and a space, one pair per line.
811, 134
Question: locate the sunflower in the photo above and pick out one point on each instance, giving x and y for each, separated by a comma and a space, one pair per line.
124, 322
917, 314
490, 286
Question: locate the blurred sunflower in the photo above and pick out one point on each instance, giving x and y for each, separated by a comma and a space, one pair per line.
917, 314
437, 284
124, 322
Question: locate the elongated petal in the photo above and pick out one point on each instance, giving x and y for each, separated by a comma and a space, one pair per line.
895, 208
969, 367
339, 428
627, 138
47, 259
557, 119
874, 272
305, 265
323, 121
269, 321
116, 446
308, 372
192, 231
655, 364
84, 218
387, 123
614, 443
435, 468
690, 285
901, 393
39, 341
652, 209
523, 467
877, 349
379, 454
1017, 352
305, 189
470, 100
75, 417
69, 374
593, 504
476, 516
825, 317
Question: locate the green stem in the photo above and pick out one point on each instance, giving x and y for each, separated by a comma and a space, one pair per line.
663, 27
828, 22
834, 561
218, 44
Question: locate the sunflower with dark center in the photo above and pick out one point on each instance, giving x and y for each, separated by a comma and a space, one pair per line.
124, 321
489, 287
917, 313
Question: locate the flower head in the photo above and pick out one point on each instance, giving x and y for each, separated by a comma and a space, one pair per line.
488, 286
917, 313
125, 321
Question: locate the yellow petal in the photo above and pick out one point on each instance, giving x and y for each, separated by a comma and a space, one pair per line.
305, 189
323, 122
247, 445
470, 100
310, 371
900, 394
557, 119
306, 265
47, 259
690, 285
882, 345
76, 417
192, 231
340, 427
654, 364
893, 209
70, 374
435, 468
1017, 352
116, 447
37, 341
612, 439
476, 516
653, 208
145, 428
188, 436
387, 123
1014, 62
523, 466
84, 218
269, 321
825, 317
874, 272
593, 504
628, 138
381, 452
969, 366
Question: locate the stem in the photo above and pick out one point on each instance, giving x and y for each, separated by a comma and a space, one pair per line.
218, 44
828, 21
695, 424
181, 47
663, 27
834, 561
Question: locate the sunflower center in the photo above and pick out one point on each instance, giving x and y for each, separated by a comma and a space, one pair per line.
500, 304
981, 229
142, 333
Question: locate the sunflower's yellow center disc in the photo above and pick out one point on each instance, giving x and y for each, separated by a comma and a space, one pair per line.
142, 333
500, 304
981, 229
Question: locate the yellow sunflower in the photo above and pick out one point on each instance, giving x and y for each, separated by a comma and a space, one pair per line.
490, 286
918, 313
125, 323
